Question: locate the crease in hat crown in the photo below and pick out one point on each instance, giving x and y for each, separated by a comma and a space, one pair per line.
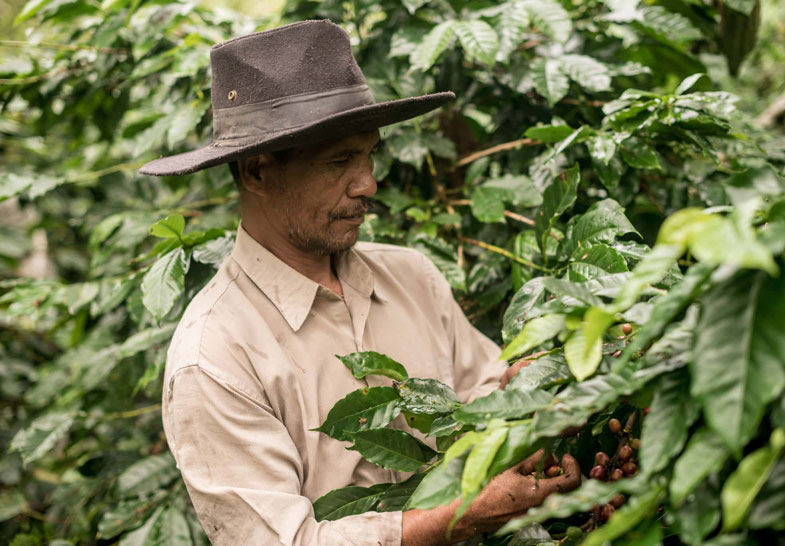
288, 86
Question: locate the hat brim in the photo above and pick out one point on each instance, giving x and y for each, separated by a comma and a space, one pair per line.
355, 120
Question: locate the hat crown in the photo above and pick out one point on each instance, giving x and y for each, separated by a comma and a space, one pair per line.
305, 57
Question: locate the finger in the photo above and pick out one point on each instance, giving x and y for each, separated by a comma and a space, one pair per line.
528, 465
568, 481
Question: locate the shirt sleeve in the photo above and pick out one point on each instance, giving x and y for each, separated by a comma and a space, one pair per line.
476, 365
243, 471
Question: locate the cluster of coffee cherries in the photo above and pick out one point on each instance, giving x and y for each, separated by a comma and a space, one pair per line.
621, 465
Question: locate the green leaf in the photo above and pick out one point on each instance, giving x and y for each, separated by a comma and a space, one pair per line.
12, 503
534, 333
604, 221
602, 147
747, 480
398, 495
40, 436
170, 227
393, 449
427, 396
440, 486
126, 515
628, 516
479, 460
184, 123
144, 535
434, 43
557, 199
739, 363
665, 427
30, 9
583, 349
742, 6
549, 79
347, 501
550, 17
549, 133
668, 25
687, 83
705, 453
698, 516
363, 409
544, 373
479, 40
518, 190
164, 282
146, 475
597, 261
488, 205
506, 404
171, 529
525, 299
639, 155
373, 363
586, 72
768, 509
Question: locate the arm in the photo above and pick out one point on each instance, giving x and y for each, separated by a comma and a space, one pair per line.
244, 473
508, 495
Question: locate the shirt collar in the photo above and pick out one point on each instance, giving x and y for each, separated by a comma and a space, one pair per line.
291, 292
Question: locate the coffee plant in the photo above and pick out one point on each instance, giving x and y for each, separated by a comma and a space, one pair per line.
597, 203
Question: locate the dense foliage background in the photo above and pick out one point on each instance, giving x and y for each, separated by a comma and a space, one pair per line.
586, 177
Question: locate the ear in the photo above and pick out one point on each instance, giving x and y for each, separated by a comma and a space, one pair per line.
257, 172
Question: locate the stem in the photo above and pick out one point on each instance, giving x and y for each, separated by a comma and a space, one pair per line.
518, 217
503, 252
62, 47
498, 148
134, 413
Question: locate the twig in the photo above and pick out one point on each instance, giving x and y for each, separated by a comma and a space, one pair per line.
595, 103
443, 196
767, 118
134, 413
33, 79
64, 47
516, 216
503, 252
498, 148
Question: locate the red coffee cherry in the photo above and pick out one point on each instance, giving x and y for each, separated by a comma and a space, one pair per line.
606, 512
618, 500
601, 458
625, 453
629, 468
553, 471
598, 473
615, 425
626, 328
617, 474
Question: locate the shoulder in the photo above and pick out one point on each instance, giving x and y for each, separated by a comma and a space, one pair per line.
210, 334
392, 257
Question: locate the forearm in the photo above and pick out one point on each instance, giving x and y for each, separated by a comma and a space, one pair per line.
429, 527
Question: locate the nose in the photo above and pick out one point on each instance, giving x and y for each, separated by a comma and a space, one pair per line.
363, 183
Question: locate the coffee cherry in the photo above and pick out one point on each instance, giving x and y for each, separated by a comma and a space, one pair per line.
601, 458
646, 411
618, 500
574, 532
598, 473
553, 471
629, 468
626, 328
625, 453
606, 512
617, 474
635, 443
615, 425
617, 354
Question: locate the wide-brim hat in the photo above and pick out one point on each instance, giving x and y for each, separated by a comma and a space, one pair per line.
290, 86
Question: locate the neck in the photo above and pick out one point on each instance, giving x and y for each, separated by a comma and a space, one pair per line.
317, 267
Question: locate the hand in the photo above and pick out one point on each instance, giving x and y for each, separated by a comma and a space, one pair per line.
510, 372
516, 490
509, 494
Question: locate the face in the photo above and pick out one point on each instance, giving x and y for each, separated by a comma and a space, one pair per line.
320, 195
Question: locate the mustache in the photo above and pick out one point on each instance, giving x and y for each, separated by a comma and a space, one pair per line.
361, 208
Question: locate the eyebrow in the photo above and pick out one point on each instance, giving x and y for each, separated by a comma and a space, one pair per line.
348, 150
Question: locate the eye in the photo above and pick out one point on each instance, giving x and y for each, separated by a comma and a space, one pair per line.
339, 161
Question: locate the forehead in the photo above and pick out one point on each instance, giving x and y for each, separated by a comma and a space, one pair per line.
349, 144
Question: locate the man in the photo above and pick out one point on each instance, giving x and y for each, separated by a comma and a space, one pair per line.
251, 369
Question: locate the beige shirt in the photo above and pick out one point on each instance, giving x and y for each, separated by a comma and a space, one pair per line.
252, 368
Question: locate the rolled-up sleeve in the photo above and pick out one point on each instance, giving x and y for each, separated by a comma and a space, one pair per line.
244, 473
476, 366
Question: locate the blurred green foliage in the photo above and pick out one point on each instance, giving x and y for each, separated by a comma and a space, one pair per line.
580, 127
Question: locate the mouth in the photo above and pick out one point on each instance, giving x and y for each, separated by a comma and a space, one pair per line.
357, 219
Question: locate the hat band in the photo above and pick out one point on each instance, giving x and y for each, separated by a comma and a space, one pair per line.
252, 123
